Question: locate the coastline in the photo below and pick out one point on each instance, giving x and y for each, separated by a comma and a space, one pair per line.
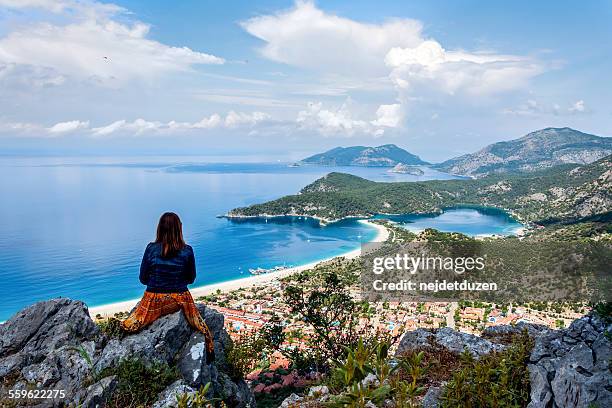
110, 309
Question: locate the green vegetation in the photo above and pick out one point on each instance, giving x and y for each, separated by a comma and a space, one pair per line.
382, 156
111, 327
138, 384
249, 350
320, 298
604, 310
369, 375
495, 380
197, 400
563, 193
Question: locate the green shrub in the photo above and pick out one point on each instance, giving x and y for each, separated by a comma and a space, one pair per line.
495, 380
402, 381
197, 400
139, 384
604, 310
111, 327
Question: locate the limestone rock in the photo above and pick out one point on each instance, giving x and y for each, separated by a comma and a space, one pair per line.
571, 367
56, 345
453, 341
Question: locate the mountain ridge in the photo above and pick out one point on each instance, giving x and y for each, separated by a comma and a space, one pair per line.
537, 150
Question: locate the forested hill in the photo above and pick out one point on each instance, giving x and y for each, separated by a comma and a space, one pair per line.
562, 193
387, 155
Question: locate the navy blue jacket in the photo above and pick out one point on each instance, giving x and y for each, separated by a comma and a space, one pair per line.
167, 275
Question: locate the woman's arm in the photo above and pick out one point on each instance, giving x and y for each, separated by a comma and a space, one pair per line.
190, 268
144, 267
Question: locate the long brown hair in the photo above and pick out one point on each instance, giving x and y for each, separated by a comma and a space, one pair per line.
170, 234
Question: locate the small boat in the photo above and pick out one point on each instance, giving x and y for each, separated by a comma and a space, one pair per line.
261, 271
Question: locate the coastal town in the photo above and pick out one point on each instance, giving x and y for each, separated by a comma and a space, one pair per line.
248, 310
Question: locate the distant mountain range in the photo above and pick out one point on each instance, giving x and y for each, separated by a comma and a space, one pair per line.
387, 155
537, 150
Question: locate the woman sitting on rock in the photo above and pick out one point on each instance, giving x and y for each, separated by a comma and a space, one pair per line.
167, 267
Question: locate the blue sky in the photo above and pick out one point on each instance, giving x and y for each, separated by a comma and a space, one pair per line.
281, 79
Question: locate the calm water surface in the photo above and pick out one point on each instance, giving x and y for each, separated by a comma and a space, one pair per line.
76, 227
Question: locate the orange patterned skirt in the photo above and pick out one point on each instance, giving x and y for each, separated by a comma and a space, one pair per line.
152, 306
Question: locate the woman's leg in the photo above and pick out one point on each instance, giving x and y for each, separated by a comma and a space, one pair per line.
150, 308
193, 316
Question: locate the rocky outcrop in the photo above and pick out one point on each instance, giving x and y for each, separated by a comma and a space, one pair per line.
56, 345
571, 367
447, 338
567, 368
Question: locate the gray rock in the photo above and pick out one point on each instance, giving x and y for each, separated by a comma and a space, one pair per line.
541, 393
532, 329
55, 344
168, 397
215, 322
568, 368
458, 342
237, 393
453, 341
291, 401
318, 391
370, 380
602, 352
97, 394
571, 367
415, 339
45, 326
158, 342
432, 397
192, 362
49, 345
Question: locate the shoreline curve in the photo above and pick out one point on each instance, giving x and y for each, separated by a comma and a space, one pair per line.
108, 310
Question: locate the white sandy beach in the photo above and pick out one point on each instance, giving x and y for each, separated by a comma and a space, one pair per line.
112, 308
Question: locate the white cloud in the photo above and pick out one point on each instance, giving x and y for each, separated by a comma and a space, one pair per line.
210, 122
453, 71
534, 108
347, 50
308, 37
70, 126
142, 126
530, 108
389, 115
18, 127
94, 46
136, 127
139, 126
234, 119
55, 6
305, 36
89, 8
577, 107
28, 77
340, 121
108, 129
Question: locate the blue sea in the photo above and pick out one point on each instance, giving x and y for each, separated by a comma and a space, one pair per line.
77, 226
